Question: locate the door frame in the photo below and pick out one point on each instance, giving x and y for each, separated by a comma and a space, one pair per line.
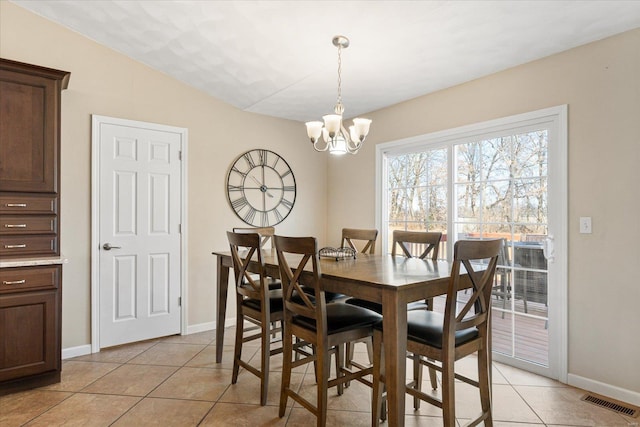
96, 122
557, 195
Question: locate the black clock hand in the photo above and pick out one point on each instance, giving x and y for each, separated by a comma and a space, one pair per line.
263, 187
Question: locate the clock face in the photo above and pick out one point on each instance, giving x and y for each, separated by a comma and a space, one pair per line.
261, 188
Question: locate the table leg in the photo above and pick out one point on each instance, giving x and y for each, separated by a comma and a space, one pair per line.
394, 326
222, 286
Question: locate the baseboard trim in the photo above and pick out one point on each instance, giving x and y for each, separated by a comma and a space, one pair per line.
207, 326
81, 350
201, 327
621, 394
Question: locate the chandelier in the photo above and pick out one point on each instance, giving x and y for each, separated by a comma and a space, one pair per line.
336, 138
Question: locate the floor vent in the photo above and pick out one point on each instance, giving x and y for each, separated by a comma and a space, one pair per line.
612, 405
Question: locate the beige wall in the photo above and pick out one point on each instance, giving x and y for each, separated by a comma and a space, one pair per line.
601, 84
107, 83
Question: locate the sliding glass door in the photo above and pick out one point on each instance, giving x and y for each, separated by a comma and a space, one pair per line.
503, 179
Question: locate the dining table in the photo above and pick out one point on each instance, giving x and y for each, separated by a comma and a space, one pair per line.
390, 281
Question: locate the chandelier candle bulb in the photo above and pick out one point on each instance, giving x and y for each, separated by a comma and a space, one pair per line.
361, 127
332, 123
314, 130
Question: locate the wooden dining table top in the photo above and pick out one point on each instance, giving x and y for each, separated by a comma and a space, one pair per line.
366, 269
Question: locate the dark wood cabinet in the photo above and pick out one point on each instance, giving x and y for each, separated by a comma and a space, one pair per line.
29, 324
30, 264
29, 127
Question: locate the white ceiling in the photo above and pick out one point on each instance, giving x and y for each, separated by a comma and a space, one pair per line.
276, 57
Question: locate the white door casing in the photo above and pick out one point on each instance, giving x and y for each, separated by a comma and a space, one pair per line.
138, 209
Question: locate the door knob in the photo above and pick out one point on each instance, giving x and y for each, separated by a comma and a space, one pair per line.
108, 247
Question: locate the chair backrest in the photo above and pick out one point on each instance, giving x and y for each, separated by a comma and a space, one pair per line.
245, 248
479, 258
296, 300
429, 240
266, 233
367, 236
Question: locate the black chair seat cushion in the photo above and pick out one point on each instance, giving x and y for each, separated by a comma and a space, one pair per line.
275, 301
275, 284
416, 305
425, 327
328, 296
341, 317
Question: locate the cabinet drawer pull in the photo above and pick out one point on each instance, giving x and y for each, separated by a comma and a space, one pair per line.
23, 245
15, 226
14, 282
16, 205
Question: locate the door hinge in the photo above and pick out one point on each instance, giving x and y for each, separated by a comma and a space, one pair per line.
179, 301
179, 228
180, 155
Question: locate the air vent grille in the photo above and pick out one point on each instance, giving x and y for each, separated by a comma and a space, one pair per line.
612, 405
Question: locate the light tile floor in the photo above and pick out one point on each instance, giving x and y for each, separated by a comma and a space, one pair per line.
175, 381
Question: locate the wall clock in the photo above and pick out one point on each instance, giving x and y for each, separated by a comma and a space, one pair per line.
261, 188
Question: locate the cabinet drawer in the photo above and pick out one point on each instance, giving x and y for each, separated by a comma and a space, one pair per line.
11, 224
28, 205
15, 279
28, 245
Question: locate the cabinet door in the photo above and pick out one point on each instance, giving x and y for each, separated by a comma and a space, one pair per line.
29, 132
28, 334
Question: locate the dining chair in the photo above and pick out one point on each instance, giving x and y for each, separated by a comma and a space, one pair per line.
418, 244
326, 326
365, 237
453, 335
255, 303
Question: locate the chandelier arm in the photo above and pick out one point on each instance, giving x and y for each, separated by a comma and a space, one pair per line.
317, 146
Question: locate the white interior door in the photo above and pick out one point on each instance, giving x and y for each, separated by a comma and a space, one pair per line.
139, 232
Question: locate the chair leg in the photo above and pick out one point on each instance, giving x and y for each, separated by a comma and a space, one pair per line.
417, 379
369, 343
237, 351
322, 374
448, 394
350, 348
264, 362
378, 369
287, 350
339, 364
484, 380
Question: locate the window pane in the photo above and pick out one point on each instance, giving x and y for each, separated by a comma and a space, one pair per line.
530, 154
497, 201
496, 158
437, 203
467, 162
530, 200
397, 210
468, 198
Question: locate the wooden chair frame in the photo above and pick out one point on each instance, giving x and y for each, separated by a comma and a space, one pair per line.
476, 313
252, 286
367, 235
266, 233
299, 303
431, 239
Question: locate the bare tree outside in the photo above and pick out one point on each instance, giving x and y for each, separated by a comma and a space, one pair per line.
500, 187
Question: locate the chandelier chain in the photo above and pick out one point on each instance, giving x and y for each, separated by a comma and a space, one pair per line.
339, 74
